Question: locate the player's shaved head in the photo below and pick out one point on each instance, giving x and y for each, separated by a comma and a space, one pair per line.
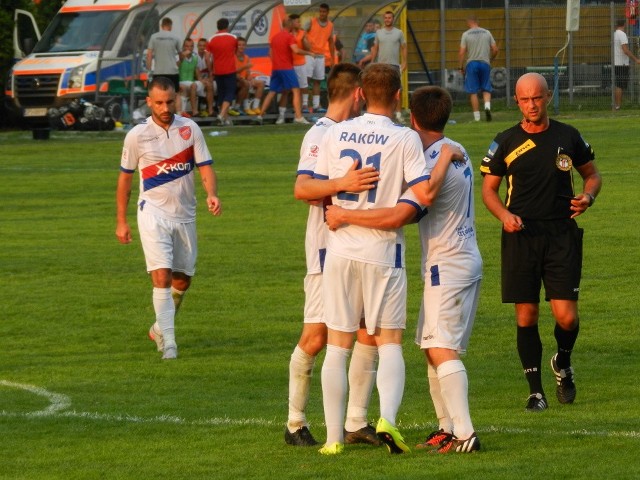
532, 80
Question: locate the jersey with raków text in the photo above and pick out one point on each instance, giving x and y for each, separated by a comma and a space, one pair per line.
316, 236
396, 152
450, 254
166, 160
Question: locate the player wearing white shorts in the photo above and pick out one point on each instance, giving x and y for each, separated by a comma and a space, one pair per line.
451, 267
364, 268
342, 84
165, 149
320, 36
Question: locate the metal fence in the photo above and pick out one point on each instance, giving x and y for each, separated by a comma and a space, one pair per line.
577, 64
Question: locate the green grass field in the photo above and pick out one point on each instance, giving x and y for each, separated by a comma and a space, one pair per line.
84, 394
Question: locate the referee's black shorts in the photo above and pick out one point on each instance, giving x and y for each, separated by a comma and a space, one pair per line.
545, 252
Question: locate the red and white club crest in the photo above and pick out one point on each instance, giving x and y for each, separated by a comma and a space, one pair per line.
314, 150
185, 132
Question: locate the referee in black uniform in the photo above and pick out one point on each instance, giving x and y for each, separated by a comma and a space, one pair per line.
541, 241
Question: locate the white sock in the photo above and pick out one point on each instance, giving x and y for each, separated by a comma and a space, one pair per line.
305, 99
177, 296
282, 111
487, 105
300, 373
165, 314
476, 116
334, 392
444, 421
256, 104
246, 105
316, 101
362, 377
391, 375
455, 390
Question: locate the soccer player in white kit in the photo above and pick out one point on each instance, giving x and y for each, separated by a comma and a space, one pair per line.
166, 149
451, 267
342, 85
364, 268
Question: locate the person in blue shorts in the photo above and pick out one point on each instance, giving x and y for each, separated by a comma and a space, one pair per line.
283, 76
477, 50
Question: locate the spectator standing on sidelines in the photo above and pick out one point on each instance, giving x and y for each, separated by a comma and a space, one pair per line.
320, 36
300, 60
166, 149
389, 47
477, 50
223, 47
342, 84
451, 266
621, 56
283, 76
163, 54
541, 241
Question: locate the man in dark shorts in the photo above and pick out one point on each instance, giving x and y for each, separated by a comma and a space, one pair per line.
541, 241
622, 54
223, 47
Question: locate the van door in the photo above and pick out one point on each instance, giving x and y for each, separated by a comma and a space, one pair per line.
25, 34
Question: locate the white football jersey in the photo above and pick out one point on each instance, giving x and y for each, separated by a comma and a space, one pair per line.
450, 253
166, 160
396, 152
315, 239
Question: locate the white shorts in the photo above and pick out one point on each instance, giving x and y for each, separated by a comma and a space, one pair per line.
200, 90
168, 244
448, 318
351, 287
315, 67
313, 310
301, 73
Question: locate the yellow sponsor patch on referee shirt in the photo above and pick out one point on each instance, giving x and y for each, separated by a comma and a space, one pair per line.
520, 150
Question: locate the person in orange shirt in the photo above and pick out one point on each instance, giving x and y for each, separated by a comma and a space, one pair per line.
320, 35
300, 60
246, 82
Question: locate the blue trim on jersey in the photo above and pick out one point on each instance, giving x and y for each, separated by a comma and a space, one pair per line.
167, 177
206, 162
418, 180
320, 177
305, 172
435, 276
421, 211
322, 254
398, 255
126, 170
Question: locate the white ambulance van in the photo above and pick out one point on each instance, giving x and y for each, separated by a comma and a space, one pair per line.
92, 44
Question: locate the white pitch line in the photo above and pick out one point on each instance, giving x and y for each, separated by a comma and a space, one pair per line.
60, 403
57, 401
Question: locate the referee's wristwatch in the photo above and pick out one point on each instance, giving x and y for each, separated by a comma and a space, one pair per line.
591, 198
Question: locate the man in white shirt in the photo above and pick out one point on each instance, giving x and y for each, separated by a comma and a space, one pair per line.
342, 85
364, 268
621, 56
166, 149
451, 266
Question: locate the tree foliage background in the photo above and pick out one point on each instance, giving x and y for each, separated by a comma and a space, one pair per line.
43, 11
